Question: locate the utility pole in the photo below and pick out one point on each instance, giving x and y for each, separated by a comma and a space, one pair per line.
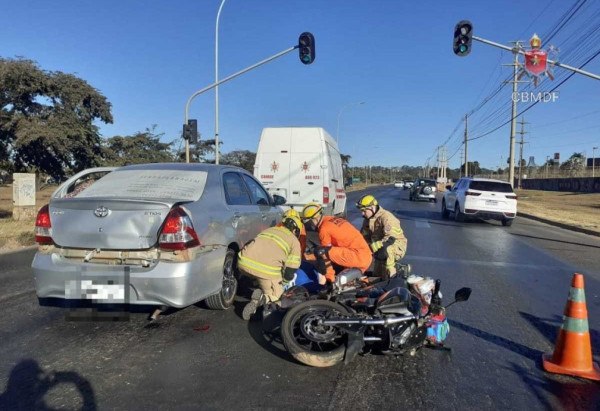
513, 121
466, 139
460, 168
522, 133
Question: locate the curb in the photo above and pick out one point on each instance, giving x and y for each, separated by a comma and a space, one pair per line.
557, 224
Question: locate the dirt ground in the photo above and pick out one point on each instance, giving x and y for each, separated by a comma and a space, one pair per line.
577, 209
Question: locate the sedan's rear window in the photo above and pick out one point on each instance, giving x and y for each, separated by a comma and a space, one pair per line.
491, 186
178, 185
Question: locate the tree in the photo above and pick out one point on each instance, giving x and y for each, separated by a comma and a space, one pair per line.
46, 119
137, 149
574, 165
240, 158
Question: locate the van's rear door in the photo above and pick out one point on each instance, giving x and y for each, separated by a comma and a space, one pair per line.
306, 173
274, 162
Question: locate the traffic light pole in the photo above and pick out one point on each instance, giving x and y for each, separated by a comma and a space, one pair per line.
554, 63
226, 79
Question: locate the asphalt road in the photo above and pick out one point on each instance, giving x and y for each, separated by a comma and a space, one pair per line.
196, 358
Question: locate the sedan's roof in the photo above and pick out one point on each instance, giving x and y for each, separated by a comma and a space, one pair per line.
180, 166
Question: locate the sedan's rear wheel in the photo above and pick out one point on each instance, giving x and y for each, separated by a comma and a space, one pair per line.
224, 298
458, 215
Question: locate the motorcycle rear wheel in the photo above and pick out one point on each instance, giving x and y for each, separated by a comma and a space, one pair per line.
311, 343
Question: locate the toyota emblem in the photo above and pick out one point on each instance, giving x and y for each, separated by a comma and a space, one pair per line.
101, 211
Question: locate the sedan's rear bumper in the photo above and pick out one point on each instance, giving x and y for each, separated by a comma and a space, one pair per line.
174, 284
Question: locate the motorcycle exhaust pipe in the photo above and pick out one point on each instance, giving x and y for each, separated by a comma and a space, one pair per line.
361, 321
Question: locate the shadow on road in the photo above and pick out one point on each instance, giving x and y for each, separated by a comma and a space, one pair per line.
28, 388
583, 395
548, 327
267, 334
527, 352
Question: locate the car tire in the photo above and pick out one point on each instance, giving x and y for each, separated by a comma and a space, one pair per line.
507, 222
458, 215
426, 190
445, 212
224, 298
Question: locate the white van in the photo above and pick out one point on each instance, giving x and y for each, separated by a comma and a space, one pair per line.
302, 164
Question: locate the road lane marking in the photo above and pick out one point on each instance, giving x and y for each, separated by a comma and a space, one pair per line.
422, 224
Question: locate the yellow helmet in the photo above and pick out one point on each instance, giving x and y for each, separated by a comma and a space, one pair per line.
291, 213
293, 223
366, 201
311, 210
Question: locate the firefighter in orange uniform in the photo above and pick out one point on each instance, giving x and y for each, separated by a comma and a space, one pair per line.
272, 258
341, 243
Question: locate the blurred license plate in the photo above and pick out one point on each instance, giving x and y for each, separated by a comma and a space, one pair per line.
491, 202
95, 290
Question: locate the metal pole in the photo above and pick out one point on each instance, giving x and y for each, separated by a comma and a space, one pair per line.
521, 152
226, 79
217, 81
337, 134
547, 160
513, 122
555, 63
593, 161
466, 139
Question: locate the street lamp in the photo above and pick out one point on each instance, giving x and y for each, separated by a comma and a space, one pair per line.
593, 160
216, 81
337, 135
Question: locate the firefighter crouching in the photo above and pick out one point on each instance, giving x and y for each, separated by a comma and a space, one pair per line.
271, 258
384, 234
341, 243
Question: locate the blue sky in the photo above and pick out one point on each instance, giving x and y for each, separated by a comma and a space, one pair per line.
148, 57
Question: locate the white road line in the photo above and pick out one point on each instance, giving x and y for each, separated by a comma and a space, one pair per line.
486, 263
422, 224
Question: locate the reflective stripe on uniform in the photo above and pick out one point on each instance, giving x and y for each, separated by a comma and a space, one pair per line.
248, 263
376, 245
293, 261
278, 240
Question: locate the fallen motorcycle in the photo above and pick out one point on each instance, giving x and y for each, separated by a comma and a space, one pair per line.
393, 317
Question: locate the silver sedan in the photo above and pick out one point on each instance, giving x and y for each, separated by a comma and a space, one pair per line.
151, 234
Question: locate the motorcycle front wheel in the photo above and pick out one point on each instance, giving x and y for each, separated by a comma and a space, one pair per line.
310, 342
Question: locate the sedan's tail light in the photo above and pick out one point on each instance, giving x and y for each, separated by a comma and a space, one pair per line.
178, 232
511, 196
325, 195
43, 227
472, 193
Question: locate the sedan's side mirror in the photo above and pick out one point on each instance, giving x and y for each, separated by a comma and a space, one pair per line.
278, 200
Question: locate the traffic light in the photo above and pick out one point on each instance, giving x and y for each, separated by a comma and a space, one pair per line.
306, 47
190, 131
463, 37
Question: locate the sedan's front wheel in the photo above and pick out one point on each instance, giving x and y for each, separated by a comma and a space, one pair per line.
224, 298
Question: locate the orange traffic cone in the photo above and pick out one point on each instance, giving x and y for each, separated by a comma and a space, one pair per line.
573, 352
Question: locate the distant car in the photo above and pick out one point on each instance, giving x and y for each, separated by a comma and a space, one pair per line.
480, 198
399, 184
159, 234
423, 189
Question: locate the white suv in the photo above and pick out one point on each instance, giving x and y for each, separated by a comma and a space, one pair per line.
480, 198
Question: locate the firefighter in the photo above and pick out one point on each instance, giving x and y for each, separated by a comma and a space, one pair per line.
341, 243
293, 213
384, 234
272, 258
